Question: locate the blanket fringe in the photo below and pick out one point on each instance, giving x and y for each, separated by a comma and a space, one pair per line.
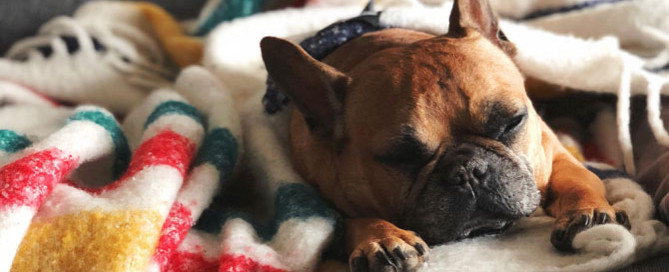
623, 118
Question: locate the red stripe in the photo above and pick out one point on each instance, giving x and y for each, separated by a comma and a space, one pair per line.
242, 263
27, 181
167, 148
190, 262
174, 230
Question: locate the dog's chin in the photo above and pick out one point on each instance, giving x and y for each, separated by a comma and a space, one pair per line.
485, 229
472, 229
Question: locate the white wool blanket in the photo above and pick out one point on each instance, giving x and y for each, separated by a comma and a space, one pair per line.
593, 60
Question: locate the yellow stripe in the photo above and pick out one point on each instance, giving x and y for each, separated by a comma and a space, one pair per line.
184, 50
90, 241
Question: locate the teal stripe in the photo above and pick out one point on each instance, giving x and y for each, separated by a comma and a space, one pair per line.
174, 107
228, 10
121, 149
220, 148
298, 201
12, 142
294, 200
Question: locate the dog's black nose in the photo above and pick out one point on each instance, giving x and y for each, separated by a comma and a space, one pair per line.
479, 169
471, 170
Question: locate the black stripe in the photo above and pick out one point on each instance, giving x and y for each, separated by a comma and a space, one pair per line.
607, 173
558, 10
658, 69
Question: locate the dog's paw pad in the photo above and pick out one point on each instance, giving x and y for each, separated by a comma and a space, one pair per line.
567, 227
405, 253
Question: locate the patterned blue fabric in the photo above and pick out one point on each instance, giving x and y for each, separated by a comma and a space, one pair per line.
321, 45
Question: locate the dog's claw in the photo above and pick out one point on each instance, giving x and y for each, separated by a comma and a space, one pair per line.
400, 255
385, 261
602, 218
562, 237
421, 250
623, 219
583, 222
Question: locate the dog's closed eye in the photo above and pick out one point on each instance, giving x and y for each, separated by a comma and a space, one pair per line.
405, 152
503, 123
513, 124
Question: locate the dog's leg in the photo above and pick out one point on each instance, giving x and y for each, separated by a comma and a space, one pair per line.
378, 245
577, 198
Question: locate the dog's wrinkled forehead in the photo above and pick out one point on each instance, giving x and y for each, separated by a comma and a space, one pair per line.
443, 83
472, 71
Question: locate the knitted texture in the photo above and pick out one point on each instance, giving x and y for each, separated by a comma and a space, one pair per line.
83, 219
133, 223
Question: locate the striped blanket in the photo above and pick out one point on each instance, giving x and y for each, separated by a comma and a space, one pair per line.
80, 191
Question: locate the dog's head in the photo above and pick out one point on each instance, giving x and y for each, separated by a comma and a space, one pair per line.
435, 134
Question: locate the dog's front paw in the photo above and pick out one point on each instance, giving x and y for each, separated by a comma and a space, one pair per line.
573, 222
404, 251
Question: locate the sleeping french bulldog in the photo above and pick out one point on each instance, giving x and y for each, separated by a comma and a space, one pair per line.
419, 138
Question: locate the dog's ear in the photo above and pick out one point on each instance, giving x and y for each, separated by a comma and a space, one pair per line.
477, 15
316, 88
